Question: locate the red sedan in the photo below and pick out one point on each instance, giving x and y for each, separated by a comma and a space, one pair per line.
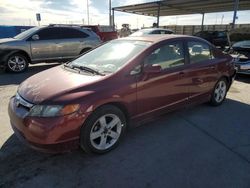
90, 101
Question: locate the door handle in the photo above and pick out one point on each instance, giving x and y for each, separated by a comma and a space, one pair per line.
198, 81
212, 67
181, 73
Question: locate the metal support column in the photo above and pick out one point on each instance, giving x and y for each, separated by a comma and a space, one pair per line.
236, 5
113, 18
158, 14
88, 11
110, 17
202, 22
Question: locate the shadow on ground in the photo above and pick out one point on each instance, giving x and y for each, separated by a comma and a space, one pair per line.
16, 78
243, 78
195, 147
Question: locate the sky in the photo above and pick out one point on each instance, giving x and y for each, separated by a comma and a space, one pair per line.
23, 12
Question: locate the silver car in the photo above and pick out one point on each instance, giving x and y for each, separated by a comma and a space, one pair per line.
45, 44
241, 54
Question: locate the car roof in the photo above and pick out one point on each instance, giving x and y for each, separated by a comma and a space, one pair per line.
63, 26
158, 37
154, 29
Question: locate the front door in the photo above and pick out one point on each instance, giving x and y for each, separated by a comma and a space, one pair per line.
46, 47
165, 88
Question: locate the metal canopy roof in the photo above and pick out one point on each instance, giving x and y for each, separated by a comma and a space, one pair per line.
182, 7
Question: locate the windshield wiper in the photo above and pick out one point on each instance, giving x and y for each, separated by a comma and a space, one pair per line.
84, 68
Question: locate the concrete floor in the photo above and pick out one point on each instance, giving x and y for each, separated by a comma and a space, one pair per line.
202, 146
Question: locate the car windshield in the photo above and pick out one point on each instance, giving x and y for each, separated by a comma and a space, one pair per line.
111, 56
26, 33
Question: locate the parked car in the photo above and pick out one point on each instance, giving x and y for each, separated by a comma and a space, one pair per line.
241, 54
217, 38
105, 32
45, 44
151, 31
90, 101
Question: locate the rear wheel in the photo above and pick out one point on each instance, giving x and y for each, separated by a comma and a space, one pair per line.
219, 92
17, 63
103, 130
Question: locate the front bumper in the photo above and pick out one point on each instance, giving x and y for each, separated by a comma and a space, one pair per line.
243, 68
4, 56
53, 135
242, 64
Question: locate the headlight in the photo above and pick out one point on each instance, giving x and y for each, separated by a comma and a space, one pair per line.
53, 110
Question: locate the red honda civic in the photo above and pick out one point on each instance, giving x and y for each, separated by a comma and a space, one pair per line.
90, 101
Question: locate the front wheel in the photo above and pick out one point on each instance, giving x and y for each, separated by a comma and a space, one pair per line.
103, 130
219, 92
17, 63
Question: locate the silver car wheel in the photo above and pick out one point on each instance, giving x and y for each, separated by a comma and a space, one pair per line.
220, 91
106, 131
17, 63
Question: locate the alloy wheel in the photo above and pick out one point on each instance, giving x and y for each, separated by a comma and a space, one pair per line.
220, 91
17, 63
106, 131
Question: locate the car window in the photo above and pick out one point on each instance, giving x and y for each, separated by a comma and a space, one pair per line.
26, 33
67, 33
49, 34
199, 51
168, 32
156, 32
221, 34
165, 32
167, 56
162, 32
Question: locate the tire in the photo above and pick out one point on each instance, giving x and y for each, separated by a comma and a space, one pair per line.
98, 134
219, 92
17, 63
84, 51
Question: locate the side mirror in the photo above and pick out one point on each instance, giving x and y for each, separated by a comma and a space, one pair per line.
155, 68
136, 70
35, 37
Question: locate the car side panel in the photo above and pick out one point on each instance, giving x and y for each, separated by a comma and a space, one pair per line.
69, 47
202, 78
155, 92
45, 49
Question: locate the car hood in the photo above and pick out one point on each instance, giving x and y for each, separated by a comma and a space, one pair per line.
5, 40
56, 84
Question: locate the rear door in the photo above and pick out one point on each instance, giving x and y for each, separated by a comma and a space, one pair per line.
201, 71
46, 46
166, 88
72, 42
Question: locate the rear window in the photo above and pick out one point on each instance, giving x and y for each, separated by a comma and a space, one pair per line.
67, 33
